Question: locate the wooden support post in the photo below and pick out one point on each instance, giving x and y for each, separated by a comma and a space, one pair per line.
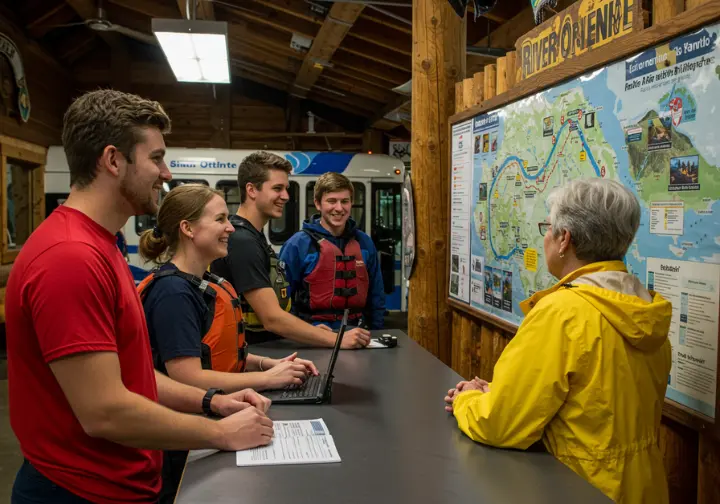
439, 43
468, 89
478, 87
664, 10
708, 470
459, 102
490, 81
691, 4
511, 70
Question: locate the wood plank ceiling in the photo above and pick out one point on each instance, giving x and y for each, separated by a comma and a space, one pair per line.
361, 51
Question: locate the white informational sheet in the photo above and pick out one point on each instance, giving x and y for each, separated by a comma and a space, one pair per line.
667, 217
693, 289
295, 442
460, 208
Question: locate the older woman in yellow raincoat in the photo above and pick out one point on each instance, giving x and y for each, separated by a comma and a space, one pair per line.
589, 365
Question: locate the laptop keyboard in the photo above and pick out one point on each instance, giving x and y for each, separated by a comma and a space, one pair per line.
308, 389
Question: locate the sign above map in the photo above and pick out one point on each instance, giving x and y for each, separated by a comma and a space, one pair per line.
585, 25
646, 122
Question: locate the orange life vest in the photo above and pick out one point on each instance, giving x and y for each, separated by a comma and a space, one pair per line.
223, 342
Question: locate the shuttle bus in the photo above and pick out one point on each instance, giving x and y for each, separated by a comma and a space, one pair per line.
377, 208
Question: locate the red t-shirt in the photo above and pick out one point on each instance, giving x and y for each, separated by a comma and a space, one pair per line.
71, 291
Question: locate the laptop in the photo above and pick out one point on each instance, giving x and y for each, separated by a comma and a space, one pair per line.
316, 389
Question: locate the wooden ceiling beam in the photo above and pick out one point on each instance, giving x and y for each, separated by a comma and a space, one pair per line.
280, 21
361, 44
358, 90
366, 31
377, 54
338, 22
360, 77
87, 9
241, 51
299, 10
204, 10
370, 68
379, 18
335, 102
59, 15
153, 9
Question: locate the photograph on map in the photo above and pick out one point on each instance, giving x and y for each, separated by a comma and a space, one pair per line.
477, 144
659, 133
497, 288
455, 263
486, 142
488, 285
589, 120
454, 281
684, 173
493, 141
477, 265
482, 191
507, 291
548, 123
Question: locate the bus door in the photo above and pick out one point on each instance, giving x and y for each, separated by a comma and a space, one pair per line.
386, 232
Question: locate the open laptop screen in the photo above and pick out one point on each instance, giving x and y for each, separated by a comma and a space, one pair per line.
336, 349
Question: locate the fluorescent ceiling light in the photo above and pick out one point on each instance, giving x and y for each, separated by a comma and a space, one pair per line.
197, 50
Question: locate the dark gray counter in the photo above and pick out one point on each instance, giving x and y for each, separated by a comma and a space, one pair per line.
397, 444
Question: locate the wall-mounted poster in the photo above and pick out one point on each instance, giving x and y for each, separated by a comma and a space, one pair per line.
646, 122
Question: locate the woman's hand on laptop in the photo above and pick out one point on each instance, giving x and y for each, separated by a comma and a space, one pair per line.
284, 373
309, 365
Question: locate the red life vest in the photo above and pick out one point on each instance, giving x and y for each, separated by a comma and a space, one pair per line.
339, 280
223, 342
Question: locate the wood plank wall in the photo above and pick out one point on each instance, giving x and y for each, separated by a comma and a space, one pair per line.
49, 86
692, 459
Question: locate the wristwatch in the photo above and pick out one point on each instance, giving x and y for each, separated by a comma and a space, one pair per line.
208, 397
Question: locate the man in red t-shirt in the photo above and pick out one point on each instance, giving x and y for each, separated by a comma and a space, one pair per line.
90, 413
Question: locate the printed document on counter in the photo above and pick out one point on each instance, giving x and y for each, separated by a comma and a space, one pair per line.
295, 442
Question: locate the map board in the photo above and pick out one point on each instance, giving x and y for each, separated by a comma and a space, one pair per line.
646, 122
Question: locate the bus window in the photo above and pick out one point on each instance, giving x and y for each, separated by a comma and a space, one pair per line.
283, 228
231, 193
358, 206
147, 221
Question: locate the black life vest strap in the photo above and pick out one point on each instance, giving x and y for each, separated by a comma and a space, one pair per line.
346, 292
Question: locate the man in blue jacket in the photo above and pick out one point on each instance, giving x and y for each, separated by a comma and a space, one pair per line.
331, 265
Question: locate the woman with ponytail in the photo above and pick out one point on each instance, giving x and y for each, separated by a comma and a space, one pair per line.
192, 230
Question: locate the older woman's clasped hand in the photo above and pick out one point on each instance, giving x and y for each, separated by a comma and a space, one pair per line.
474, 384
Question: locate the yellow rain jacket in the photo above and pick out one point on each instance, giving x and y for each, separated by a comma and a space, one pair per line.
586, 373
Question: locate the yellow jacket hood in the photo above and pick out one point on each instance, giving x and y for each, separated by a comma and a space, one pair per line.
642, 317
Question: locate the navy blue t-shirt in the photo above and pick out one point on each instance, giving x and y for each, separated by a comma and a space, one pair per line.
175, 312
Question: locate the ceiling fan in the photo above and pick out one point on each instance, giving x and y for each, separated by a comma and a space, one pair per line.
102, 24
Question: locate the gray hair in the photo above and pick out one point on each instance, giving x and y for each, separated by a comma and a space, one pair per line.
601, 215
